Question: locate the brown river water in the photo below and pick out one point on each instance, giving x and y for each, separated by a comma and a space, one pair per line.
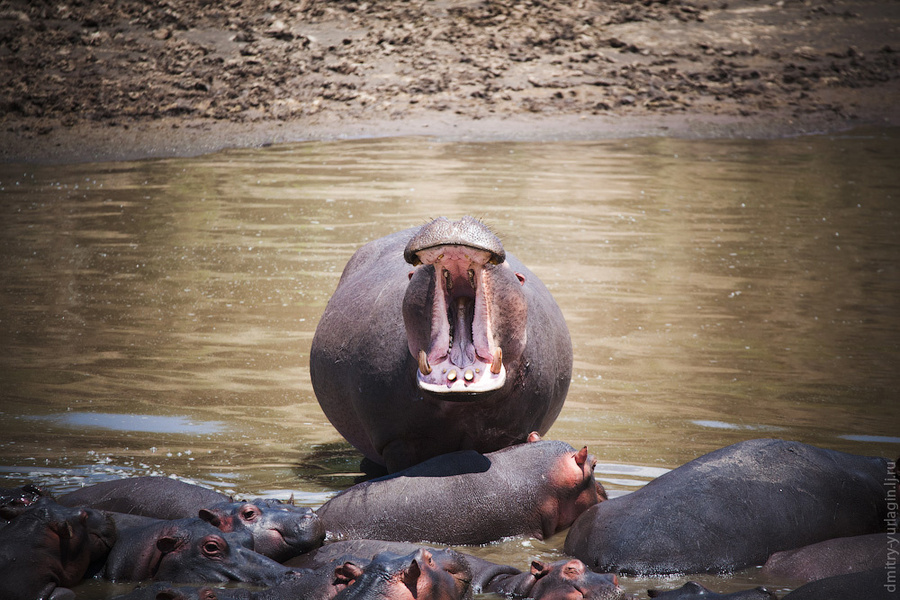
156, 316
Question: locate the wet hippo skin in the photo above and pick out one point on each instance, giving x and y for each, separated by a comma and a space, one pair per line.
837, 556
537, 488
436, 340
48, 547
560, 580
733, 508
694, 591
188, 550
149, 496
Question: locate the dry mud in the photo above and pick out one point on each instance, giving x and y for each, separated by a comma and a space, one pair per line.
94, 80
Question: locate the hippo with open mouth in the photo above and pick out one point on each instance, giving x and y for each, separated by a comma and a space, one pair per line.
437, 340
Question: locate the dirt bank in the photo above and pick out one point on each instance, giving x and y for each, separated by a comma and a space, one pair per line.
96, 80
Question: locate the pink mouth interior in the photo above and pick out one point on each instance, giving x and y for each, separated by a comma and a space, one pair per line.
461, 348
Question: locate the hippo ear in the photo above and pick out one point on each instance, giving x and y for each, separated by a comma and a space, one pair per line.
539, 569
206, 593
167, 544
347, 573
411, 576
210, 517
62, 528
573, 569
581, 456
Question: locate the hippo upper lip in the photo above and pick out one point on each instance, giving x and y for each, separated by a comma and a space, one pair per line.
467, 232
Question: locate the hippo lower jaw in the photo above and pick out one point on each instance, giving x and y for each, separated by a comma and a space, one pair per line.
475, 379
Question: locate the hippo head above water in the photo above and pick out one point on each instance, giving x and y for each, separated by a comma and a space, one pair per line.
436, 340
463, 308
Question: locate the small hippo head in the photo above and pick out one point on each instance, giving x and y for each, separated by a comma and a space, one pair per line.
195, 551
279, 530
464, 309
425, 573
572, 482
572, 580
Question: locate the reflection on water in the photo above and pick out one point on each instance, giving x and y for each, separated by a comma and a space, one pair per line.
144, 423
156, 316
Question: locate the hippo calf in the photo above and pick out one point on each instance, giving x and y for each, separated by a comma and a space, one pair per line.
694, 591
279, 531
149, 496
47, 548
876, 584
732, 508
832, 557
190, 551
421, 574
537, 488
560, 580
436, 340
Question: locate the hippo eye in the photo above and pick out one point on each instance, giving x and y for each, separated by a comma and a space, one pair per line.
211, 547
249, 514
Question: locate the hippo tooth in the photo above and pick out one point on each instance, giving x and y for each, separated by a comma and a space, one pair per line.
469, 375
424, 367
497, 362
451, 376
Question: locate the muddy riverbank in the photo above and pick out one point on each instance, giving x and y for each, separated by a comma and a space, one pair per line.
86, 81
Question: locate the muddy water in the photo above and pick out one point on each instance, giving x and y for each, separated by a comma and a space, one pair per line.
156, 316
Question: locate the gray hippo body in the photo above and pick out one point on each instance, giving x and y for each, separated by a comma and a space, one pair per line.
837, 556
149, 496
733, 508
867, 585
437, 340
537, 488
694, 591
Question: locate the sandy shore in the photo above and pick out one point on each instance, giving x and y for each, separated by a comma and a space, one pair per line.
104, 80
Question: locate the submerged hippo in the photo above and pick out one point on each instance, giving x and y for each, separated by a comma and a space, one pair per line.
694, 591
537, 488
14, 501
561, 580
189, 550
423, 573
48, 548
149, 496
437, 340
280, 531
733, 508
876, 584
837, 556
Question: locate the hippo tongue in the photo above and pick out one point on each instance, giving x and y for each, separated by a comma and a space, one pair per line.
462, 352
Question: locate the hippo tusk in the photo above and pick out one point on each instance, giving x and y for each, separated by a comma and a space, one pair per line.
424, 367
497, 363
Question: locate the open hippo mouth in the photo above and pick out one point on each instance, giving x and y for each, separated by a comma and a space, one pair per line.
462, 356
462, 304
